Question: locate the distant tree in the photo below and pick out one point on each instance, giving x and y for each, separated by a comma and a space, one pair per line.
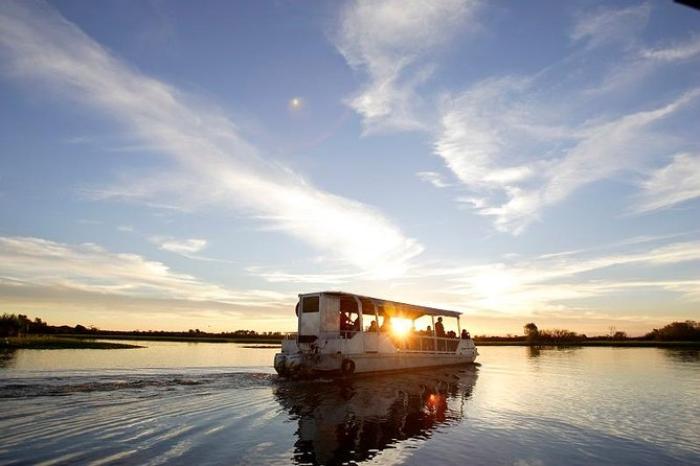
532, 333
17, 325
619, 335
9, 325
676, 331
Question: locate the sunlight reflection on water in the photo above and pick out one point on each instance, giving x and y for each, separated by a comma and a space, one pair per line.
572, 406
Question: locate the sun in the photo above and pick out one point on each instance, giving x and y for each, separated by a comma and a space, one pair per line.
401, 327
295, 103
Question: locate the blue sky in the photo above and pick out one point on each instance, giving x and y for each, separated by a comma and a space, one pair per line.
176, 165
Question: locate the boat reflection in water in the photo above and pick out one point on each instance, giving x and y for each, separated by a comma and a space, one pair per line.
352, 420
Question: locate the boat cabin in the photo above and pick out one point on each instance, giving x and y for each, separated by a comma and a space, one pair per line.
354, 323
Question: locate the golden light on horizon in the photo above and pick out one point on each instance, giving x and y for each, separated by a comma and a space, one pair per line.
400, 327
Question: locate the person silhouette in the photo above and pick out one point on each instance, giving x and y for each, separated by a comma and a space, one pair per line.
439, 328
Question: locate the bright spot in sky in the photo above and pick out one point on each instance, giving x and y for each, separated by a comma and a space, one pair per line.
401, 327
295, 103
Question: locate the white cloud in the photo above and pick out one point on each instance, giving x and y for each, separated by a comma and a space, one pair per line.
186, 246
504, 141
433, 178
388, 40
41, 44
519, 144
546, 283
479, 132
606, 25
279, 276
630, 70
677, 182
610, 147
89, 268
676, 52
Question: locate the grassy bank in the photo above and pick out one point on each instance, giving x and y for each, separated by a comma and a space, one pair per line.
201, 339
607, 343
46, 342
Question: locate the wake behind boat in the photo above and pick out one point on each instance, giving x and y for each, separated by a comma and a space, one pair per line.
343, 333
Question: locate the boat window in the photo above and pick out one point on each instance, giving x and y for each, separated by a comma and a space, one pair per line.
348, 305
310, 304
422, 323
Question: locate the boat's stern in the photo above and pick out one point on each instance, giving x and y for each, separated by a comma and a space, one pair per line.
287, 365
300, 365
467, 350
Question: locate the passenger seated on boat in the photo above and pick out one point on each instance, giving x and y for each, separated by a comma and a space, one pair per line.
451, 334
465, 334
373, 327
356, 325
428, 342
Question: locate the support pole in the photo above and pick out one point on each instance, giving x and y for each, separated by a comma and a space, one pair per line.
362, 325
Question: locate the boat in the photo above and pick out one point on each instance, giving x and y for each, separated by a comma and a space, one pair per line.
344, 334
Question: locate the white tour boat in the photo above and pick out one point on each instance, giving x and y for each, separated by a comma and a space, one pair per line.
343, 333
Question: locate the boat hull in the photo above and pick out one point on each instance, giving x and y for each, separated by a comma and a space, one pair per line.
309, 365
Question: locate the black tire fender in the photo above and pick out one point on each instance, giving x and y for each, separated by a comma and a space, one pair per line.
347, 367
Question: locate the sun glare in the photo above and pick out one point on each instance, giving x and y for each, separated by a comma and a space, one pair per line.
401, 327
295, 103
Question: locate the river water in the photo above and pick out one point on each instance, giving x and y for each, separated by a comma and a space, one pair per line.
219, 403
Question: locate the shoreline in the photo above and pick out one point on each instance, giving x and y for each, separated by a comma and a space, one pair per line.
601, 343
78, 341
171, 338
51, 342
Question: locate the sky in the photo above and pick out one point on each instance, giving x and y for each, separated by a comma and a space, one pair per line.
176, 165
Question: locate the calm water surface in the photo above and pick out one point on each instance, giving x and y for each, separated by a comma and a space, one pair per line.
215, 403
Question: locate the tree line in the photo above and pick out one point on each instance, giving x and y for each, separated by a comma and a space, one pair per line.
18, 325
12, 325
675, 331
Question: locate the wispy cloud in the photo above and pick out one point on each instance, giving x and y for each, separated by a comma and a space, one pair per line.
552, 282
609, 24
677, 182
204, 143
279, 276
433, 178
519, 144
675, 52
389, 41
185, 246
89, 268
532, 163
188, 248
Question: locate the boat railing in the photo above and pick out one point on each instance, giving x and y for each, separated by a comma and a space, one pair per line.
412, 343
348, 334
427, 344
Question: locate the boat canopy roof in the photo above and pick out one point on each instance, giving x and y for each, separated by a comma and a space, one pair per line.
390, 308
